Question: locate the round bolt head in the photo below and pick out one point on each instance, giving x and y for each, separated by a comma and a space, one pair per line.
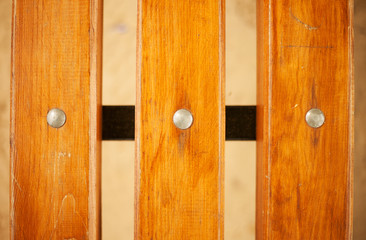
183, 119
56, 118
315, 118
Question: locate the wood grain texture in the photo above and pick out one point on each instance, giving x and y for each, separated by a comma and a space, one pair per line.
304, 175
179, 173
55, 173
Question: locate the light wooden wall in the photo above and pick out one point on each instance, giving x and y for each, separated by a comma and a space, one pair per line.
119, 89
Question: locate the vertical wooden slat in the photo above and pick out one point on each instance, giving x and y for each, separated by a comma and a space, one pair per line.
55, 173
179, 173
95, 116
304, 175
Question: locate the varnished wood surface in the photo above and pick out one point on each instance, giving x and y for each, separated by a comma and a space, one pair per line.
179, 189
55, 173
304, 175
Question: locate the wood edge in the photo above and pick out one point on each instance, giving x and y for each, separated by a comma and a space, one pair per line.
95, 118
262, 121
137, 122
351, 106
222, 114
12, 123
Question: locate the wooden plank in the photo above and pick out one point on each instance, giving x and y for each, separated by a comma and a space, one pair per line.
55, 173
304, 175
179, 173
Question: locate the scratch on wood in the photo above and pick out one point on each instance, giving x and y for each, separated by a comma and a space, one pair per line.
69, 195
16, 182
307, 26
64, 154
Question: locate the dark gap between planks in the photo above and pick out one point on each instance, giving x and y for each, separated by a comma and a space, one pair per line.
119, 123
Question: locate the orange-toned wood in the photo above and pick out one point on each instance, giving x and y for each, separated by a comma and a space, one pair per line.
55, 173
304, 175
179, 191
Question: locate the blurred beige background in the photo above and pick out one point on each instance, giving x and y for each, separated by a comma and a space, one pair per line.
119, 89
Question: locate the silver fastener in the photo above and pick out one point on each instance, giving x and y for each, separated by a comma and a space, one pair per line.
183, 119
315, 118
56, 118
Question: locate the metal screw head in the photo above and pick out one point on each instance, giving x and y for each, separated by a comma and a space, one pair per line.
56, 118
183, 119
315, 118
